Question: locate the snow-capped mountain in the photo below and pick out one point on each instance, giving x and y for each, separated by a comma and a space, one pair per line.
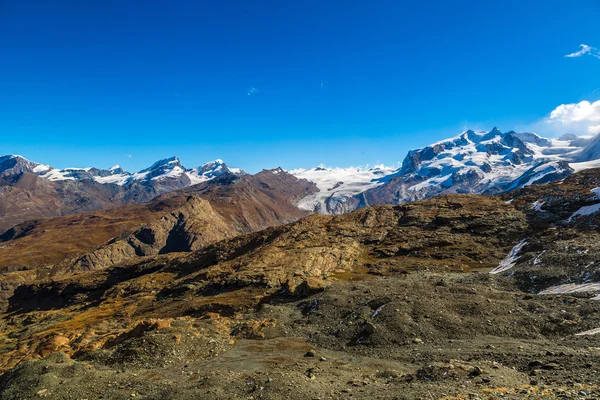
211, 170
169, 169
13, 165
478, 162
472, 162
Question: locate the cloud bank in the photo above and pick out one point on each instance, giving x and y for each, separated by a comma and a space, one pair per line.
581, 118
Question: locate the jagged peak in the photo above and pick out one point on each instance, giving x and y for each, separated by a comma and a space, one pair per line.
213, 163
276, 171
167, 162
15, 157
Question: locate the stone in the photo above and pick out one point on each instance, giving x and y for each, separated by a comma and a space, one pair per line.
369, 328
310, 353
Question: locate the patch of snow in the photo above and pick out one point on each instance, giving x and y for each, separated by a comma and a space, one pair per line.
580, 166
175, 172
587, 210
538, 259
573, 288
511, 259
590, 332
209, 171
77, 169
40, 168
57, 175
140, 176
541, 171
537, 206
118, 179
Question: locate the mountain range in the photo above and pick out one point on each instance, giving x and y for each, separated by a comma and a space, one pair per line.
474, 162
226, 290
479, 279
169, 169
30, 190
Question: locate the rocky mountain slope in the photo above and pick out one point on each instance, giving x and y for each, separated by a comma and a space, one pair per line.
473, 162
449, 233
29, 190
562, 251
183, 220
372, 303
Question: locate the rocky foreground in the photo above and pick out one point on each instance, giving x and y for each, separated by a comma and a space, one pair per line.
387, 302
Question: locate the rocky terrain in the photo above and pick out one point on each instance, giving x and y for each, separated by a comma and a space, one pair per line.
183, 220
385, 302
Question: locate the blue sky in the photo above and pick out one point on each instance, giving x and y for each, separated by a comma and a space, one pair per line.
263, 84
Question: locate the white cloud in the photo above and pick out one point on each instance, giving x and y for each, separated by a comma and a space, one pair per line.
594, 130
252, 91
578, 118
577, 112
585, 50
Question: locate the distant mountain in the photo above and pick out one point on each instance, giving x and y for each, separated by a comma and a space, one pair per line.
30, 190
167, 169
178, 219
474, 162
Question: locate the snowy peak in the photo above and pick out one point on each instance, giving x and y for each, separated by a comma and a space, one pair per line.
472, 162
494, 134
209, 171
212, 167
476, 162
168, 170
171, 162
15, 164
162, 169
116, 170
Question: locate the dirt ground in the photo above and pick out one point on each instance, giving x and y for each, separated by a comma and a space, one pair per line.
423, 335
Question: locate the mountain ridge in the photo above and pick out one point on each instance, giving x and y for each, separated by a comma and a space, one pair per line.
168, 168
474, 162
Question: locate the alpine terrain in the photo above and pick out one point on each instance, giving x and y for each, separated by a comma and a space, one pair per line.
316, 257
469, 272
473, 162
